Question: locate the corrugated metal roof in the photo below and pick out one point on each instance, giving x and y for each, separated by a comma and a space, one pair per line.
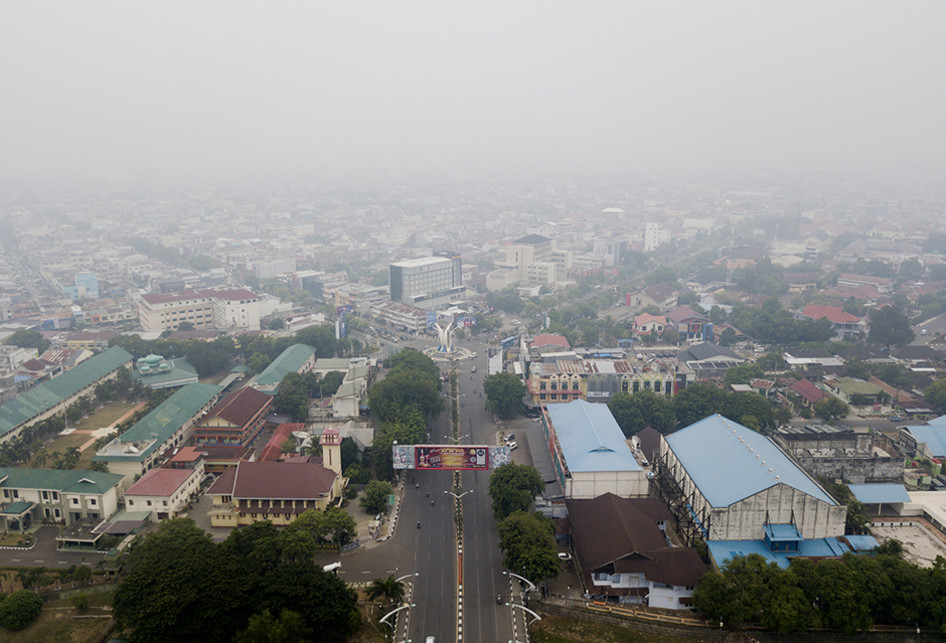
876, 493
590, 438
47, 395
729, 462
289, 361
933, 436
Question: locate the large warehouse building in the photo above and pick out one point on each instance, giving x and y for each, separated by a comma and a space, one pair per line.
724, 481
589, 452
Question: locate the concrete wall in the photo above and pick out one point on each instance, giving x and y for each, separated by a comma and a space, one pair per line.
745, 519
626, 484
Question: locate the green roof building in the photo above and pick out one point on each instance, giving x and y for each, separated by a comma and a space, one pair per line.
60, 495
139, 448
52, 397
298, 358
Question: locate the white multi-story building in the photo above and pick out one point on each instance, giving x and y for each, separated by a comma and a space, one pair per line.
427, 282
59, 495
531, 259
205, 309
655, 235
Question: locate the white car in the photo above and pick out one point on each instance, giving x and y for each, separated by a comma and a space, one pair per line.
564, 555
513, 446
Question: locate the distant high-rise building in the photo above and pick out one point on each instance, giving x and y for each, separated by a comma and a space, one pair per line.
427, 282
655, 235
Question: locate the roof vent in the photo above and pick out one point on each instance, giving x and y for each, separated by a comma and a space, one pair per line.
776, 477
770, 468
756, 456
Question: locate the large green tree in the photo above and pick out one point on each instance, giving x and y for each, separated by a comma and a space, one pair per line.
25, 338
405, 388
504, 393
375, 498
890, 327
19, 609
513, 487
698, 401
177, 586
639, 410
935, 394
830, 409
528, 543
291, 396
742, 373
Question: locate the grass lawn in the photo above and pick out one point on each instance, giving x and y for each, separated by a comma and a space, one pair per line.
56, 623
103, 417
554, 629
106, 415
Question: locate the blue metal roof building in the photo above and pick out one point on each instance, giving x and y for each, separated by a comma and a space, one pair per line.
590, 453
731, 482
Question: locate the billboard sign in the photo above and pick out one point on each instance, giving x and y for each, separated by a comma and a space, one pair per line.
451, 457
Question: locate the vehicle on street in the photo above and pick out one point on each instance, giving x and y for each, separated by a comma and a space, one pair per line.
564, 555
473, 370
510, 437
513, 446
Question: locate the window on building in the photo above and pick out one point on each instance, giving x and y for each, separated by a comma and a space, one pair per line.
75, 501
92, 501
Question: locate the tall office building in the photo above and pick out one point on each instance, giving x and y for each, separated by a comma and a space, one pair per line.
427, 282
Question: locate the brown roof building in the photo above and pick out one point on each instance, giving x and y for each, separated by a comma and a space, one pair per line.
275, 491
624, 553
236, 421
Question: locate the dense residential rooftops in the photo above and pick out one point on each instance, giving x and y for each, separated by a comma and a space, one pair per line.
590, 438
289, 361
63, 480
48, 394
729, 462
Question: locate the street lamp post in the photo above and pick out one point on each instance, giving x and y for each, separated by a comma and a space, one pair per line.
524, 580
460, 496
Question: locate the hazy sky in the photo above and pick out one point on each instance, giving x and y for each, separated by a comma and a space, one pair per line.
100, 89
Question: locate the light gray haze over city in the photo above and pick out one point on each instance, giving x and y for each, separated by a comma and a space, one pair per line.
220, 89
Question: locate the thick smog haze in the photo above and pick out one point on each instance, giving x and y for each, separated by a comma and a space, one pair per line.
111, 90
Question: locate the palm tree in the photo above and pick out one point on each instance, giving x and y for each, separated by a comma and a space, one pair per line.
41, 457
389, 587
72, 457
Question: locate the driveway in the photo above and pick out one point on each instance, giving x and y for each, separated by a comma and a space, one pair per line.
45, 554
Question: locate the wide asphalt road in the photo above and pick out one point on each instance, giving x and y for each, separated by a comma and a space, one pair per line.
483, 581
430, 550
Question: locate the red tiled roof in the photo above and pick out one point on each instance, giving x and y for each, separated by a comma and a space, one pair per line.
834, 314
239, 408
284, 480
160, 482
546, 339
187, 454
273, 448
808, 390
682, 313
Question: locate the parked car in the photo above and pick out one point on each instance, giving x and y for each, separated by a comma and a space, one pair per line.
513, 446
564, 555
510, 437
